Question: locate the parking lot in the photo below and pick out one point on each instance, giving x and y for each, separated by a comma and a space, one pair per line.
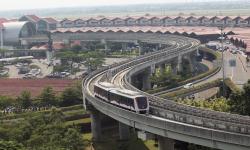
24, 70
40, 68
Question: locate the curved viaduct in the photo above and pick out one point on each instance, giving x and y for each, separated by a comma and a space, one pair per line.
167, 119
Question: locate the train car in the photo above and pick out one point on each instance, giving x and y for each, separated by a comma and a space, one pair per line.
101, 90
125, 99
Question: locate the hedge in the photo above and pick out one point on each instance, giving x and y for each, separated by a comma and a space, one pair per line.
229, 83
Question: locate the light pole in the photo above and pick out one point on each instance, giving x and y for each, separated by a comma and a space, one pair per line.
1, 35
222, 59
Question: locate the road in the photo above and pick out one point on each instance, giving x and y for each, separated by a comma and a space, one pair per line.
239, 74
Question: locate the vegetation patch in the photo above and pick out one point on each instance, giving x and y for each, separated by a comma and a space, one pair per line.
183, 91
192, 79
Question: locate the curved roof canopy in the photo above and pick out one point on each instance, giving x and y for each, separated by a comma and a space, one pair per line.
13, 31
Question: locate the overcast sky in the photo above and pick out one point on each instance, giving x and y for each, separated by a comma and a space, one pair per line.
33, 4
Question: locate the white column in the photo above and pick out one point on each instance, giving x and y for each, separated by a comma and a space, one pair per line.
1, 37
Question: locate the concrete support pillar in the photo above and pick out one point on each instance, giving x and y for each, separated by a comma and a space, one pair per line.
103, 41
152, 69
179, 64
146, 84
123, 131
191, 62
106, 47
124, 46
140, 50
159, 45
197, 52
165, 143
95, 124
162, 68
174, 67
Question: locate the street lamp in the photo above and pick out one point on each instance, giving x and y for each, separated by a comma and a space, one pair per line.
1, 35
221, 38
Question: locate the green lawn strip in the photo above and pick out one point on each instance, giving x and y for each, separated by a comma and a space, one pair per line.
196, 88
23, 115
68, 111
73, 112
78, 122
69, 108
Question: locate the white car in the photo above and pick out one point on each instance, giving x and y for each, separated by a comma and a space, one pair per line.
188, 86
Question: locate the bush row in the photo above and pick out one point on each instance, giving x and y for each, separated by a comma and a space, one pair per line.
229, 83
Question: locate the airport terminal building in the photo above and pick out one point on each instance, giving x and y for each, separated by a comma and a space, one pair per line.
13, 31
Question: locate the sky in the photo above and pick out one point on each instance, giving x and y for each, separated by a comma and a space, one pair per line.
35, 4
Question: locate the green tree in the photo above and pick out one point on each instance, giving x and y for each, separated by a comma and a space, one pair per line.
10, 145
240, 100
69, 57
6, 101
48, 96
73, 139
93, 60
44, 131
25, 99
70, 96
217, 104
165, 78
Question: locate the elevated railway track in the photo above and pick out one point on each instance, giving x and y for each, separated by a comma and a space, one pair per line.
167, 118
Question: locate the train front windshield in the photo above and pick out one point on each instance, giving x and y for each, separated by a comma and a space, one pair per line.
142, 102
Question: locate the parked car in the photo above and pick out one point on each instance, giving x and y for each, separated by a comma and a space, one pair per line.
191, 96
35, 72
28, 76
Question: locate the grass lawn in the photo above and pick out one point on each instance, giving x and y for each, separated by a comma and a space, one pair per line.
80, 121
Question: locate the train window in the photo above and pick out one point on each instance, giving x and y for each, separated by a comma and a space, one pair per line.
142, 102
101, 91
131, 103
112, 97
